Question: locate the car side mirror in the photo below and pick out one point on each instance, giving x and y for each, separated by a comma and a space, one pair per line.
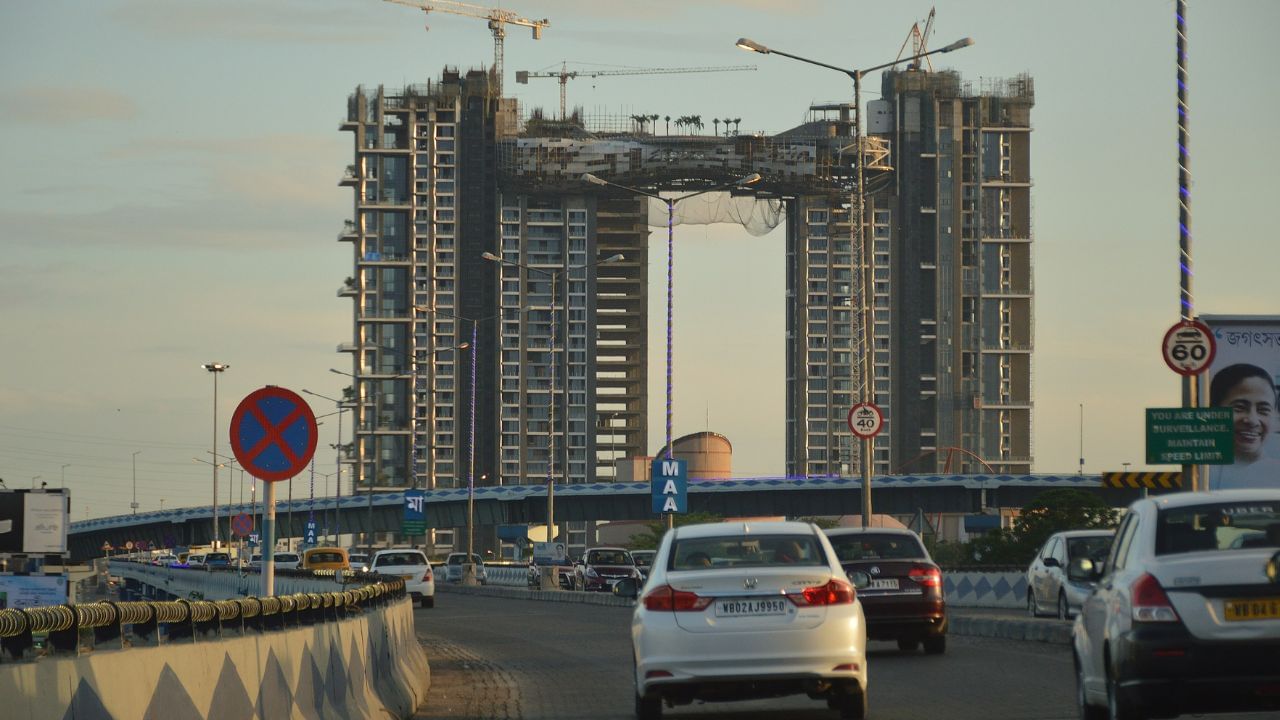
1051, 562
626, 588
859, 578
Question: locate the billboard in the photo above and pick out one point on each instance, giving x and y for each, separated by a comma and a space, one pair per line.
33, 522
26, 591
1243, 376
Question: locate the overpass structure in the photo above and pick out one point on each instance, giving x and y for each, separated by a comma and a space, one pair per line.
524, 504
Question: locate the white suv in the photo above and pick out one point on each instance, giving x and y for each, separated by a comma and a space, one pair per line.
412, 565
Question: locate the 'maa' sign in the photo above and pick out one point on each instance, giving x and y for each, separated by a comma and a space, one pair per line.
670, 482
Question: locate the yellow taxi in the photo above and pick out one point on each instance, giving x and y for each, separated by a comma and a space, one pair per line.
325, 558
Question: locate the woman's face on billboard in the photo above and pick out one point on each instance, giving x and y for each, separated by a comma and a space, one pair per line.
1253, 403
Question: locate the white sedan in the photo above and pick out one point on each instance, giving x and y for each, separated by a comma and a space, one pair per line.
737, 611
1186, 615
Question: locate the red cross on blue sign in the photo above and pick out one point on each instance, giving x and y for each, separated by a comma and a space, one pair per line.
273, 433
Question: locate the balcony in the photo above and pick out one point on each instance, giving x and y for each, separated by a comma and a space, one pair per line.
347, 347
349, 178
349, 232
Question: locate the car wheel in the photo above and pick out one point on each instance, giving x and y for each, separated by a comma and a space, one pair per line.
1031, 604
935, 645
908, 644
1117, 709
1064, 612
648, 708
852, 705
1087, 711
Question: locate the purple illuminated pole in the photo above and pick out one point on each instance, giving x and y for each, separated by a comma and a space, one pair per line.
1186, 304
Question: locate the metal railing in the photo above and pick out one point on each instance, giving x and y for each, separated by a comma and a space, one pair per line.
69, 629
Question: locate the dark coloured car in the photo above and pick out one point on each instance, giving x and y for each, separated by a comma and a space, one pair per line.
905, 600
217, 559
601, 568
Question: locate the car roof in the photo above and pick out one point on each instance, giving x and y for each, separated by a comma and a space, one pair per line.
1186, 499
1068, 534
831, 532
608, 547
764, 527
399, 550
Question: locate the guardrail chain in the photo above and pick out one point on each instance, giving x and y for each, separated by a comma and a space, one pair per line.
124, 624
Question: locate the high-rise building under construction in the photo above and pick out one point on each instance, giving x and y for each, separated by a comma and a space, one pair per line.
492, 345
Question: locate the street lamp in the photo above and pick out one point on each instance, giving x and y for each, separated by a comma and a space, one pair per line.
412, 431
337, 447
215, 369
671, 209
134, 505
859, 239
551, 355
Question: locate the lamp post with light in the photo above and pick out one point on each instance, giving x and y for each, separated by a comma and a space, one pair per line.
671, 210
413, 415
554, 275
337, 450
859, 239
469, 570
215, 369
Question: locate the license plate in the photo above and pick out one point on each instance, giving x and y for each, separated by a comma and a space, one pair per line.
748, 608
1253, 609
407, 577
884, 584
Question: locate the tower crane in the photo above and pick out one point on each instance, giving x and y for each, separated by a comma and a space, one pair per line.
565, 74
919, 39
498, 20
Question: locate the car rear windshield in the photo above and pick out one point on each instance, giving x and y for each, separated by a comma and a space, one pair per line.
1224, 526
400, 559
608, 557
285, 557
745, 551
325, 557
217, 557
1094, 548
877, 546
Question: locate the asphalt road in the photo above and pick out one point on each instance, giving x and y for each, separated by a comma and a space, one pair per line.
502, 658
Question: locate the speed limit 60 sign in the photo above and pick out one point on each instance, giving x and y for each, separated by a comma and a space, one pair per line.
866, 420
1189, 347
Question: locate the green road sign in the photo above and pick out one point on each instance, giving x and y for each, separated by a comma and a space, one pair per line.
1190, 436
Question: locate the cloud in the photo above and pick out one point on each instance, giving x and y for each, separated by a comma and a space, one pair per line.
64, 106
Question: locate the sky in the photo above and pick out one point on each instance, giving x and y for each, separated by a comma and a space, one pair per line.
171, 199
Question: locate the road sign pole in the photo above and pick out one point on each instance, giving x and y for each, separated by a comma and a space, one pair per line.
269, 543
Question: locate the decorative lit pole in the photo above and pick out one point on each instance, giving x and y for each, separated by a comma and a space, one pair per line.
215, 369
1187, 299
671, 211
859, 239
551, 354
134, 505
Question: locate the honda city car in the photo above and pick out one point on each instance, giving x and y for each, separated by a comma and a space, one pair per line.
1186, 615
904, 600
746, 610
1051, 584
601, 568
412, 565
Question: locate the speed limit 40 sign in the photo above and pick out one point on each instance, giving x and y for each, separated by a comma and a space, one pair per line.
1189, 347
866, 420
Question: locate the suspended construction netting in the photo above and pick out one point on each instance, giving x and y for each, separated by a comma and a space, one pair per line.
757, 216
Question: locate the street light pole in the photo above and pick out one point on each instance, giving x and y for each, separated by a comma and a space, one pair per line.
859, 239
134, 505
671, 210
551, 353
216, 369
64, 475
337, 447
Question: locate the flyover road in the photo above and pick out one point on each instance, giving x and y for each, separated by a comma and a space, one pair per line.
510, 658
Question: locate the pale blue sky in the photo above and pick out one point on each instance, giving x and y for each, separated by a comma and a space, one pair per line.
171, 199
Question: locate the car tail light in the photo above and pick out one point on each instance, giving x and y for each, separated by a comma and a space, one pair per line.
836, 592
1149, 602
667, 598
925, 576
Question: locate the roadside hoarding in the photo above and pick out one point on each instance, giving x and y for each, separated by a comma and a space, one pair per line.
1243, 376
27, 591
34, 522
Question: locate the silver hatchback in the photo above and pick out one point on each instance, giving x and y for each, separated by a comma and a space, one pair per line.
1051, 586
